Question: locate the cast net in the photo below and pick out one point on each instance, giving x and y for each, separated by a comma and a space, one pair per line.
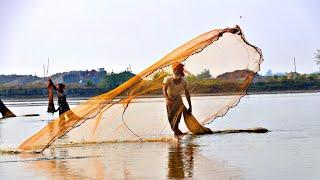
220, 64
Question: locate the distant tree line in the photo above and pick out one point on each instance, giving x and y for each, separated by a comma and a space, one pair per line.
113, 80
283, 83
109, 82
202, 83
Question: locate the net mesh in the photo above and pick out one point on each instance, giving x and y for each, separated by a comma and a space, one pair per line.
220, 62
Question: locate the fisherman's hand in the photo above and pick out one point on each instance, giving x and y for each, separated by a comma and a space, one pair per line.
50, 81
49, 84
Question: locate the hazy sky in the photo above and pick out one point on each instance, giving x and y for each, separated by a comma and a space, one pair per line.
87, 34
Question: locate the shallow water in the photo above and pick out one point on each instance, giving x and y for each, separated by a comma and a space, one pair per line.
290, 151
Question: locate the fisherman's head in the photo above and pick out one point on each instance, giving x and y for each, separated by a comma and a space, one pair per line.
60, 87
178, 69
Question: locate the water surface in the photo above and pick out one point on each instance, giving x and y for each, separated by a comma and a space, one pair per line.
290, 151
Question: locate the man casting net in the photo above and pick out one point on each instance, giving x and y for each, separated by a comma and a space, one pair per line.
219, 62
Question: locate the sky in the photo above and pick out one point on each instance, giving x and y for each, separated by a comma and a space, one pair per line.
90, 34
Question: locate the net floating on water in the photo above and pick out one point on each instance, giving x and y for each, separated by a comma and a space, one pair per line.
219, 62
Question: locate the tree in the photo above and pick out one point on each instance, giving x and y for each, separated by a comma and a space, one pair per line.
317, 56
205, 74
89, 83
113, 80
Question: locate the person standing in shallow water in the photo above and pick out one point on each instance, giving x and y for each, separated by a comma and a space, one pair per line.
173, 87
62, 97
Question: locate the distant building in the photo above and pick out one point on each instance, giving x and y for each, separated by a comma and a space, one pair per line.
101, 70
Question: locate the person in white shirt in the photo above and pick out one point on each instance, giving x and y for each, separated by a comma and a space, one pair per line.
173, 87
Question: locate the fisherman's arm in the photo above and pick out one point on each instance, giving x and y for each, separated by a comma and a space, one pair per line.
187, 93
51, 84
165, 94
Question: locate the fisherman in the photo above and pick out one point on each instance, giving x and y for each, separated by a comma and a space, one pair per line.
5, 111
62, 97
173, 87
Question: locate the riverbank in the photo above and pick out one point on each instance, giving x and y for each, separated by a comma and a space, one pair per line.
222, 85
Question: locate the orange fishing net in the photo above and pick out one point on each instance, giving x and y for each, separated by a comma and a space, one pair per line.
220, 62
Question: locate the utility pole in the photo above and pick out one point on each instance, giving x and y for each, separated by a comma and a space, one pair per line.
44, 70
48, 67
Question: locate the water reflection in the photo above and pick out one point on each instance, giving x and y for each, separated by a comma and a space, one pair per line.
180, 160
152, 160
59, 163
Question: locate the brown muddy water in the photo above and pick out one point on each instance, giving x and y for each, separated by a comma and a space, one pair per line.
290, 151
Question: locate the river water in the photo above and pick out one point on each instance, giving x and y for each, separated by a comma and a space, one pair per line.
290, 151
